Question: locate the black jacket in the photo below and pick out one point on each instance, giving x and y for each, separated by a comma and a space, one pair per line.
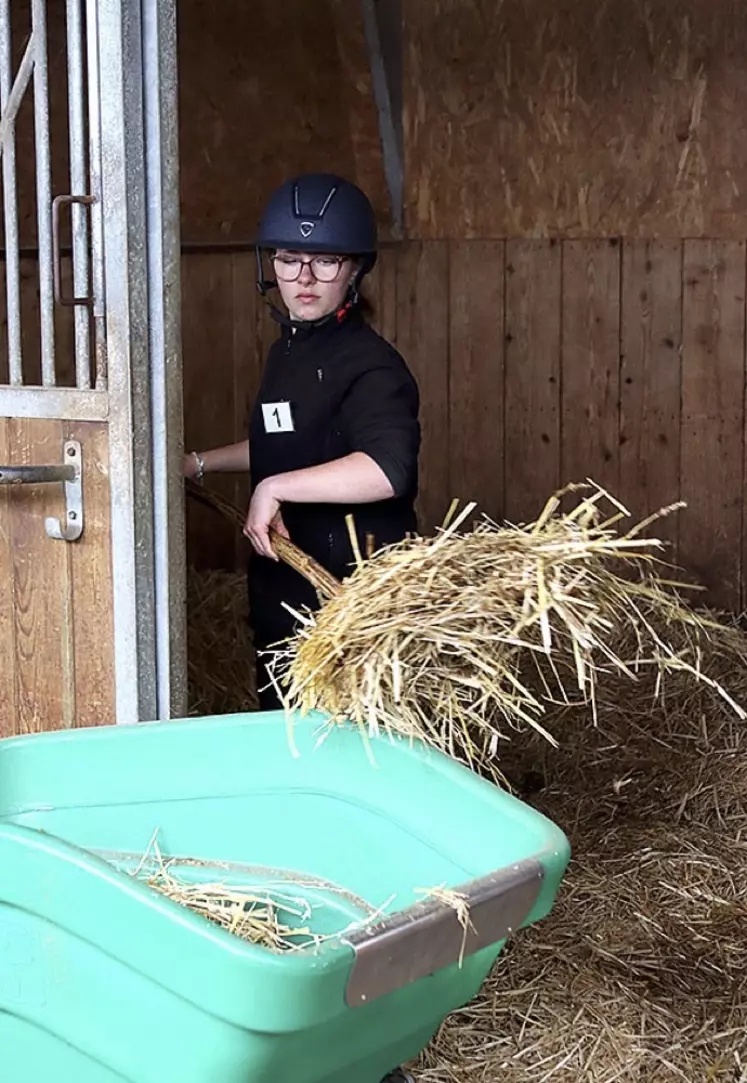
326, 392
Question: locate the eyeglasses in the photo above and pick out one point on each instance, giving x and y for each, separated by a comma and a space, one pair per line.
323, 268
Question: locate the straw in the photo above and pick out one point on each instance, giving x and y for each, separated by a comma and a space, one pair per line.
627, 979
251, 915
220, 666
460, 639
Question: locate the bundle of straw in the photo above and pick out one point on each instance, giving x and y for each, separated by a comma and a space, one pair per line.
253, 915
639, 972
460, 638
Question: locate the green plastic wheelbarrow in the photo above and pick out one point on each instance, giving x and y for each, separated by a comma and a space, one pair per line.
103, 979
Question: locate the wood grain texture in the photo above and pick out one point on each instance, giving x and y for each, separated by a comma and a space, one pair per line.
267, 91
45, 674
590, 366
56, 599
210, 313
591, 385
650, 382
248, 362
423, 340
92, 587
575, 119
7, 617
713, 383
533, 320
381, 289
476, 374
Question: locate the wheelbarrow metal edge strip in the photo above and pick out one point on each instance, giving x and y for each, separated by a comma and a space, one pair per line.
428, 936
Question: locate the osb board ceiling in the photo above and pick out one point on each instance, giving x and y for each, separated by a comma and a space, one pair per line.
575, 118
268, 89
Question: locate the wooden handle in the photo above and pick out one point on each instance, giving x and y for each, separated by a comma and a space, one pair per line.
290, 554
305, 565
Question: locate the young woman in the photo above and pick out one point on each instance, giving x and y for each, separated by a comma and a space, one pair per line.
335, 428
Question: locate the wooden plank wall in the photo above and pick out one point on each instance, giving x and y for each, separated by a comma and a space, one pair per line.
539, 363
56, 631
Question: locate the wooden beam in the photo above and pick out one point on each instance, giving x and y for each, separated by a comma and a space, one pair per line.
382, 20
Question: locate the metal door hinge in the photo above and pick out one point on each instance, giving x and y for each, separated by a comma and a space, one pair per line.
70, 473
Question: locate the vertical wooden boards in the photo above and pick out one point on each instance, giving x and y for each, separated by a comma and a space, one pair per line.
56, 622
7, 614
91, 595
538, 365
208, 317
423, 339
247, 363
590, 367
42, 606
381, 290
651, 340
712, 435
533, 323
476, 405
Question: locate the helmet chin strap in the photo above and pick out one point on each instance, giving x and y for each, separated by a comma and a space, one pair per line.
339, 314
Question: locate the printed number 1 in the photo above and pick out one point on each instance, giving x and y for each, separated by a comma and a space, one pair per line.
277, 417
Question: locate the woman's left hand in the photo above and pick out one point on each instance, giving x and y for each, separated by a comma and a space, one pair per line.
264, 512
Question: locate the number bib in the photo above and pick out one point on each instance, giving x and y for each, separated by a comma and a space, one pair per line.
278, 417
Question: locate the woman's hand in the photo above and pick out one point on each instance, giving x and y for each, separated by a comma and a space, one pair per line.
264, 512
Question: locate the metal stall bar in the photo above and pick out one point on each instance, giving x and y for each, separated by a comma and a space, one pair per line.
79, 186
43, 191
96, 190
22, 80
10, 100
164, 317
130, 432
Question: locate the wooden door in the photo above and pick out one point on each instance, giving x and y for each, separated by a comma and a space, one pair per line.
90, 608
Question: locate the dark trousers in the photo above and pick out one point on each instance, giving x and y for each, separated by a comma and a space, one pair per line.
270, 585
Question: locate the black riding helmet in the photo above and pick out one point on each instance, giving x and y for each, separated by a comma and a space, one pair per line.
319, 212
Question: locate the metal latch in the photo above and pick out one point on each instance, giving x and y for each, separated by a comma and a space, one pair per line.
70, 474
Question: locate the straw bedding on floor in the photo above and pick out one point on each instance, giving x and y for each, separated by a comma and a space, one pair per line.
640, 974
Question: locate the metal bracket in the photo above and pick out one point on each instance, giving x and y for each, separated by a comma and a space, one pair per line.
72, 528
71, 475
428, 936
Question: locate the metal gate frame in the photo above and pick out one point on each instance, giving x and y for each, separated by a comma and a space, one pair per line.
137, 386
140, 170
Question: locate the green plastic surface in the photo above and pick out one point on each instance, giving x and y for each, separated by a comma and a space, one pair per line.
103, 980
